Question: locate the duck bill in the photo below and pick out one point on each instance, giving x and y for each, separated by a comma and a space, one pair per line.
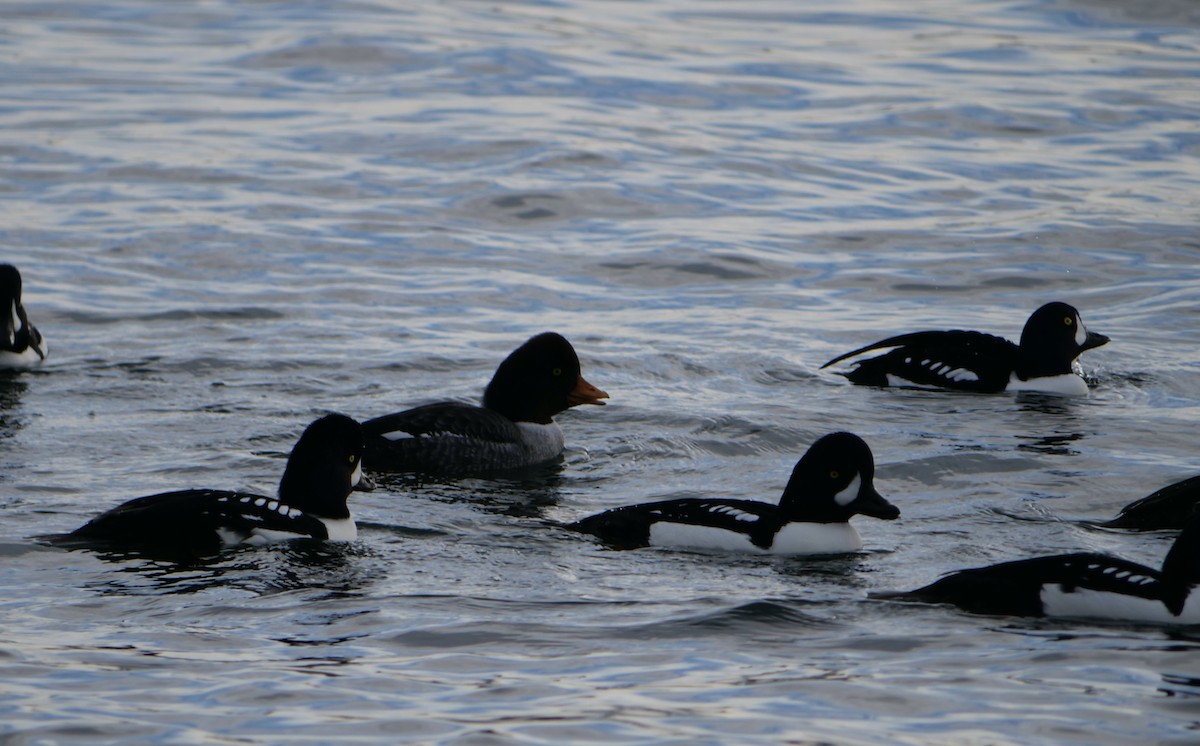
360, 482
871, 503
585, 393
1093, 340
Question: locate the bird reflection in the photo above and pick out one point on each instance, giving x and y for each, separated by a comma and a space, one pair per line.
1058, 437
12, 389
1056, 444
1180, 685
277, 568
523, 493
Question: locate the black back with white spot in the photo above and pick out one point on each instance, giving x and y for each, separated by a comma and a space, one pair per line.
629, 527
187, 523
444, 437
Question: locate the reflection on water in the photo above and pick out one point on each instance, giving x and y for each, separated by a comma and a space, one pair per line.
12, 390
287, 566
524, 493
1181, 685
243, 215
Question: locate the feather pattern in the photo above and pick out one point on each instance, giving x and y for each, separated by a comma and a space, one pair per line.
513, 429
1083, 584
1053, 337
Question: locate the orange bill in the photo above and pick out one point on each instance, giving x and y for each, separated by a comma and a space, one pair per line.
585, 393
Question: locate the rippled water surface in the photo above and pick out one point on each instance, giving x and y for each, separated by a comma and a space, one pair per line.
235, 216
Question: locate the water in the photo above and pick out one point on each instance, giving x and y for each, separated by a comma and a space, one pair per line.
233, 217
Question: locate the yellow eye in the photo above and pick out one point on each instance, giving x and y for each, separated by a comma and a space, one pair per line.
352, 458
557, 372
833, 474
1068, 321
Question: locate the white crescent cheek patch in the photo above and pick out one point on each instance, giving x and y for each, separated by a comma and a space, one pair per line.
1080, 332
850, 493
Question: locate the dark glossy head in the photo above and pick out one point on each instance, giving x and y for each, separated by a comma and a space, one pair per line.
324, 467
834, 481
538, 380
1053, 337
10, 306
10, 283
17, 335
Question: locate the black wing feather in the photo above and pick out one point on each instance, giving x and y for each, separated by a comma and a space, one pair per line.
628, 527
924, 358
1168, 508
1015, 587
186, 522
446, 418
444, 438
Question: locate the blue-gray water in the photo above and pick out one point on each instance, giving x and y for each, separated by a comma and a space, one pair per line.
235, 216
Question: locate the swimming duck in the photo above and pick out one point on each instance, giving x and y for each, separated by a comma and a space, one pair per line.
324, 467
514, 428
832, 482
1053, 337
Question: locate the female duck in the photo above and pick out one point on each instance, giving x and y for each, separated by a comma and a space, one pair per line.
514, 428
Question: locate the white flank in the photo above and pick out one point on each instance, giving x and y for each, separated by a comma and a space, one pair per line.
1088, 604
229, 538
904, 382
794, 538
848, 495
543, 442
816, 538
1068, 384
26, 359
341, 529
260, 536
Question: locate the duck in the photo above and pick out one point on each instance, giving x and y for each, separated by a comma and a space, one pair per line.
1053, 337
323, 468
1083, 585
1167, 508
21, 344
513, 429
832, 481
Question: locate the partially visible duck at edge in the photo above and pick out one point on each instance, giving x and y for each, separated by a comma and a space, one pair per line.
1168, 508
324, 467
1085, 585
21, 344
514, 428
1053, 337
832, 482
